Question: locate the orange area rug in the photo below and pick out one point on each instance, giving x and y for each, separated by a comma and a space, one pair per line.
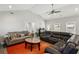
20, 49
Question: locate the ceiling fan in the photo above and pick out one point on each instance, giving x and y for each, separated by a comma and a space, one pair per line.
53, 10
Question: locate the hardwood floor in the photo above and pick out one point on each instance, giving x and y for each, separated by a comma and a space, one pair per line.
20, 49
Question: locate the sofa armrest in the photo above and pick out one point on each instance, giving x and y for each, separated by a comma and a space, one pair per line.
72, 38
52, 51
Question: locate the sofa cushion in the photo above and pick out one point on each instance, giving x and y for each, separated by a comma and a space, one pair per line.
59, 45
52, 39
15, 42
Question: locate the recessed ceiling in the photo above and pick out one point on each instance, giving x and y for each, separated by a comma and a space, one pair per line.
41, 9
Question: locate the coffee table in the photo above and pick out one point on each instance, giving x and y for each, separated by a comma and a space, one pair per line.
32, 42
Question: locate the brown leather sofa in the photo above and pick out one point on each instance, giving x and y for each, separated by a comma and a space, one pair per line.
54, 37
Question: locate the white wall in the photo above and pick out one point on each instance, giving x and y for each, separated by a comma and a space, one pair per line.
16, 22
63, 22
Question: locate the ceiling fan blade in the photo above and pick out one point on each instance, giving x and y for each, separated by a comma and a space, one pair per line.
53, 10
57, 11
49, 13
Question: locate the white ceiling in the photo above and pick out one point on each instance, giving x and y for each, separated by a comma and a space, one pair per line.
42, 9
5, 7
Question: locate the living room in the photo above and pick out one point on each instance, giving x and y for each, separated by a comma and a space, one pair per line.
39, 29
